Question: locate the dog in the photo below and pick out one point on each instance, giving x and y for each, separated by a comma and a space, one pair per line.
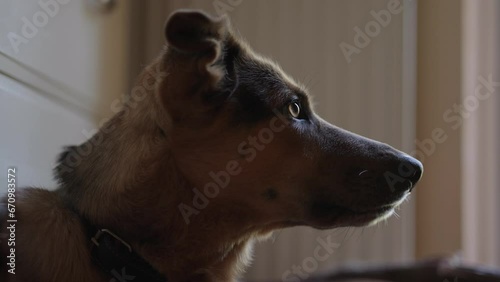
215, 149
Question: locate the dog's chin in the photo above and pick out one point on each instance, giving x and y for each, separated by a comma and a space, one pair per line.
367, 218
344, 217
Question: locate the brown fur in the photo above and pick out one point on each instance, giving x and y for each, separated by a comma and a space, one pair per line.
191, 113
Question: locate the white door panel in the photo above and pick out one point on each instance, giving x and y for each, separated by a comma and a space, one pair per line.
71, 42
57, 80
34, 130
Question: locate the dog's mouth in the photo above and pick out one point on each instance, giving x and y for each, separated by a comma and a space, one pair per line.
329, 215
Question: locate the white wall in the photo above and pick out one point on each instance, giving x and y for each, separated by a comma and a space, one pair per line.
59, 82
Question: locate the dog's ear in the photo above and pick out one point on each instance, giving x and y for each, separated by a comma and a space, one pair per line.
200, 60
198, 36
194, 31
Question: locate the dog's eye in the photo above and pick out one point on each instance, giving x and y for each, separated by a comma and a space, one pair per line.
294, 109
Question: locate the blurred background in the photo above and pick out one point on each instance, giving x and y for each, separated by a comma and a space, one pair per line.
422, 76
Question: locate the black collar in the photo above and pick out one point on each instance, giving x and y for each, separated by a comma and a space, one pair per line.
117, 259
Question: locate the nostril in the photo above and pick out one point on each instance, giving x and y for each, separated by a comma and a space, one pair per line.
411, 169
418, 170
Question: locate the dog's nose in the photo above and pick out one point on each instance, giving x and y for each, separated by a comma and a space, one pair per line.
410, 169
402, 175
418, 169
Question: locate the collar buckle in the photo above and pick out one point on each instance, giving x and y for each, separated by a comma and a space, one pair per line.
101, 232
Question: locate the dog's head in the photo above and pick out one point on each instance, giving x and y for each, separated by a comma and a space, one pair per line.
247, 141
222, 139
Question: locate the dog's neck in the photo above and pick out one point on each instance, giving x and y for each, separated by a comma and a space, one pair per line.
129, 186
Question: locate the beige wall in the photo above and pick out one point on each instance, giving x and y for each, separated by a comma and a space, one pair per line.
481, 132
438, 87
